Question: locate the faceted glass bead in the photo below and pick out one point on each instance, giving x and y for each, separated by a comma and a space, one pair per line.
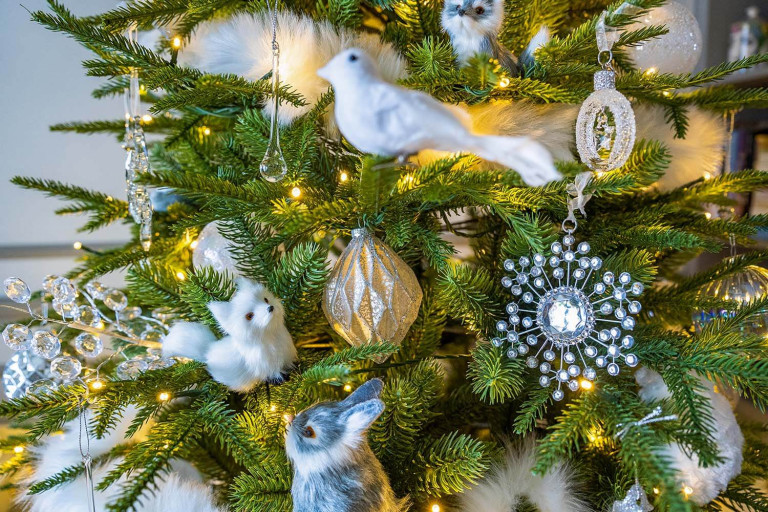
545, 367
522, 278
574, 370
531, 362
522, 349
131, 369
584, 247
96, 290
115, 300
527, 322
556, 247
600, 361
512, 336
569, 256
539, 259
497, 342
549, 355
590, 351
536, 271
634, 307
63, 290
562, 375
509, 265
596, 263
584, 263
590, 373
516, 290
17, 290
620, 313
45, 344
88, 345
88, 315
65, 309
161, 363
569, 240
544, 381
17, 336
539, 282
613, 369
532, 339
65, 368
558, 273
604, 335
554, 261
558, 395
606, 308
615, 333
524, 261
131, 313
625, 278
637, 289
569, 357
42, 387
528, 297
163, 314
501, 325
48, 282
599, 288
506, 281
573, 385
631, 360
628, 323
619, 294
514, 319
608, 278
628, 341
613, 351
512, 353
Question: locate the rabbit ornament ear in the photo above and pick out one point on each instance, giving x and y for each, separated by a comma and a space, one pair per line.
360, 416
369, 390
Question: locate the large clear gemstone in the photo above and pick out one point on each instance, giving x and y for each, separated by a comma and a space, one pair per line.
564, 315
21, 370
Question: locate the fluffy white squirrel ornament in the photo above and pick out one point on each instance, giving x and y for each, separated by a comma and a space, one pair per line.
706, 483
181, 490
257, 347
381, 118
512, 478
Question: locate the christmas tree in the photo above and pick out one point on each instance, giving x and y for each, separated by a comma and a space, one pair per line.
532, 330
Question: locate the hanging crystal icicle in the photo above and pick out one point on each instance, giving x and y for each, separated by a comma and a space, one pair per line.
85, 453
137, 158
273, 167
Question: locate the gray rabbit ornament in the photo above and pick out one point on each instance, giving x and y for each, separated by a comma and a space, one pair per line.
334, 469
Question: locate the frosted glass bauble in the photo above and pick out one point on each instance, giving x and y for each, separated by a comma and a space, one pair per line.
743, 287
678, 51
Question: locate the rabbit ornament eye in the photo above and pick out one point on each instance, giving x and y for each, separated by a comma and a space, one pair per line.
309, 432
249, 316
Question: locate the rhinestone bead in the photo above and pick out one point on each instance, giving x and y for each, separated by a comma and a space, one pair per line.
625, 278
512, 308
512, 336
615, 333
524, 261
522, 278
634, 307
628, 323
569, 240
522, 349
512, 352
601, 361
637, 288
579, 274
501, 325
569, 357
549, 355
527, 322
574, 370
539, 259
514, 319
628, 342
620, 313
562, 375
129, 370
604, 335
509, 265
558, 395
619, 294
497, 342
596, 263
613, 351
631, 360
608, 278
506, 281
544, 381
606, 308
573, 385
532, 339
558, 273
545, 367
554, 261
590, 351
556, 247
584, 247
528, 297
516, 289
590, 373
538, 282
599, 288
613, 369
531, 362
584, 263
569, 256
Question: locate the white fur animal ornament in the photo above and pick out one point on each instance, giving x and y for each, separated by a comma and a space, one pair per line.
180, 491
708, 482
512, 479
384, 119
257, 347
243, 46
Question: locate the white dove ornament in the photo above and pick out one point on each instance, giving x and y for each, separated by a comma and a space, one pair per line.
384, 119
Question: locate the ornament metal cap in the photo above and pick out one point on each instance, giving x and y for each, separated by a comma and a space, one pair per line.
359, 232
605, 79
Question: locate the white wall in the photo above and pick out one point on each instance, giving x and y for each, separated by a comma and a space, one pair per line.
43, 83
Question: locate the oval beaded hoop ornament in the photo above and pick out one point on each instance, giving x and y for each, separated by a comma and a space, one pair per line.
605, 128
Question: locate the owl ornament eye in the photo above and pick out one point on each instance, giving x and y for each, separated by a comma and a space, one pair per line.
249, 316
309, 432
480, 9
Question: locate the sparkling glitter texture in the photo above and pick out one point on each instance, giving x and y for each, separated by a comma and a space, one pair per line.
744, 286
635, 501
212, 250
571, 312
372, 294
605, 128
677, 51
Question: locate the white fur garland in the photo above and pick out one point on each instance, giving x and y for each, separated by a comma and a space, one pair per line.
181, 491
507, 482
706, 483
243, 46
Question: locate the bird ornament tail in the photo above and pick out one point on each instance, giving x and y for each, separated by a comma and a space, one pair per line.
529, 158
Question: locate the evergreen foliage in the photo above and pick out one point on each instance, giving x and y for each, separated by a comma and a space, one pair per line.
451, 397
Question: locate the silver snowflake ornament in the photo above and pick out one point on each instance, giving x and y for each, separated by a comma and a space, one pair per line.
570, 314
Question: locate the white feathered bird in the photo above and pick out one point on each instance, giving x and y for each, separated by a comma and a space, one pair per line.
384, 119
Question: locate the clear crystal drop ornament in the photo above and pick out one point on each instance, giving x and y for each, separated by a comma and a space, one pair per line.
17, 337
45, 344
115, 300
17, 290
273, 167
65, 368
42, 387
605, 127
571, 319
21, 371
96, 289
